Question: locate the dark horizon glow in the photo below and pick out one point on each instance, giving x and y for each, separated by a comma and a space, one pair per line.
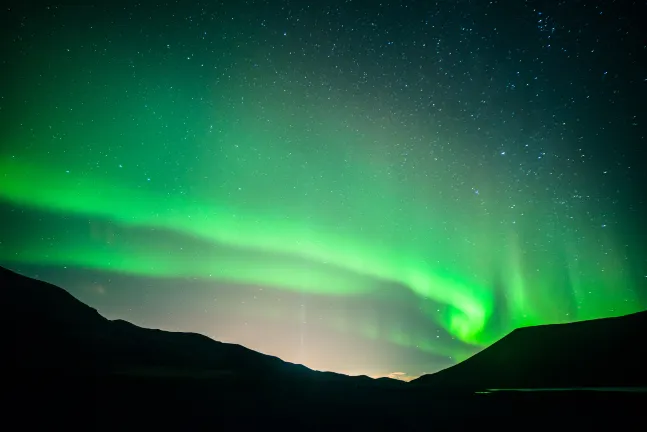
359, 189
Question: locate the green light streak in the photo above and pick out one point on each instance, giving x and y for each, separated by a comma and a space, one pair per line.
21, 185
470, 300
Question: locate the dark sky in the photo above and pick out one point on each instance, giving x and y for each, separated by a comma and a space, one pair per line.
360, 186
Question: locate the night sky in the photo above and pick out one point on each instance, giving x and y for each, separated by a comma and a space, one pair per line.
359, 186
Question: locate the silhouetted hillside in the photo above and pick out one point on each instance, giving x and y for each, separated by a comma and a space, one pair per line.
607, 352
50, 330
71, 368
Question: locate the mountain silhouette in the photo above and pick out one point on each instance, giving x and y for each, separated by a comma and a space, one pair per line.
69, 367
50, 330
607, 352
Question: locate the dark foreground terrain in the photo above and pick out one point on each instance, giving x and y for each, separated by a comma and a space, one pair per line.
119, 403
69, 368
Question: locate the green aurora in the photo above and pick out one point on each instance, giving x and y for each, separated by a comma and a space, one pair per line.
305, 177
310, 254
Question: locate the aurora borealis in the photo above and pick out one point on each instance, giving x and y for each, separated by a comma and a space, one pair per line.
359, 188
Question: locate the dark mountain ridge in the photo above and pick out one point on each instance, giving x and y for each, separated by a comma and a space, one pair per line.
51, 330
607, 352
70, 367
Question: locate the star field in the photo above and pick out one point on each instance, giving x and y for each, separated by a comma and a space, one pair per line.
358, 186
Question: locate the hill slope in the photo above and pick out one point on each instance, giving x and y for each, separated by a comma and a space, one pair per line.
50, 330
607, 352
71, 367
